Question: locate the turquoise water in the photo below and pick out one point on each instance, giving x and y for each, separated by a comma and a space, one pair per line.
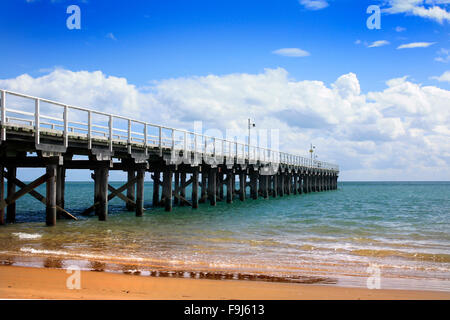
403, 228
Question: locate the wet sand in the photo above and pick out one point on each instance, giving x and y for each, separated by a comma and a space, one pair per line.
46, 283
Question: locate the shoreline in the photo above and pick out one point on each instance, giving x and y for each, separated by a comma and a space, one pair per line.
47, 283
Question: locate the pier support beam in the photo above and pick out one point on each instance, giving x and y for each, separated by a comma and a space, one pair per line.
156, 183
140, 192
212, 186
11, 189
288, 183
195, 188
242, 185
131, 190
50, 212
167, 189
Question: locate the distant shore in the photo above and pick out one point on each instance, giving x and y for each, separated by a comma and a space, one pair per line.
47, 283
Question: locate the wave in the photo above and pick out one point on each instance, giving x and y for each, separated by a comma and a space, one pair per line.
27, 236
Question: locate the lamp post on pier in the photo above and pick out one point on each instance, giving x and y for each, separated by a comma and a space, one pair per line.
250, 125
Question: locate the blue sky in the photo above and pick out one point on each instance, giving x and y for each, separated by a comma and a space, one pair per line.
165, 39
375, 101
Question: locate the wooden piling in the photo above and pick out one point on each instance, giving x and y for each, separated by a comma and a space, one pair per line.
281, 184
265, 186
11, 189
183, 188
212, 186
2, 195
254, 184
167, 189
50, 216
103, 192
156, 179
229, 181
176, 200
242, 185
295, 187
140, 192
275, 185
131, 189
221, 182
204, 187
60, 187
195, 188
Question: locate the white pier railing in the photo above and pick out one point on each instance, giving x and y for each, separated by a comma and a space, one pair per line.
41, 115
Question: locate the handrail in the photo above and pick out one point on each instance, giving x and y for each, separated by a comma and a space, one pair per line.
213, 145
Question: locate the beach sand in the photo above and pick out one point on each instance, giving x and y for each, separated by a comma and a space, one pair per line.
46, 283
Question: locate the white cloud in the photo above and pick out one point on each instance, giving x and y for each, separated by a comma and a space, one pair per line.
398, 133
378, 43
400, 29
291, 52
429, 9
358, 41
415, 45
445, 77
314, 4
111, 36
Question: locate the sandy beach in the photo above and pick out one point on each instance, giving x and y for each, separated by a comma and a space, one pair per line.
46, 283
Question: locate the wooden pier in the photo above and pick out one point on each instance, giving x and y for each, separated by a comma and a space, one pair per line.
39, 133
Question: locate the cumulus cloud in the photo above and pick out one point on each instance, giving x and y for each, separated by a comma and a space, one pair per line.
429, 9
397, 133
443, 77
314, 4
378, 43
291, 52
415, 45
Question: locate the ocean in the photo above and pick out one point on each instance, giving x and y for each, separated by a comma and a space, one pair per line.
399, 229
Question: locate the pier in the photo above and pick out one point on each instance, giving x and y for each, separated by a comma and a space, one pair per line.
40, 133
